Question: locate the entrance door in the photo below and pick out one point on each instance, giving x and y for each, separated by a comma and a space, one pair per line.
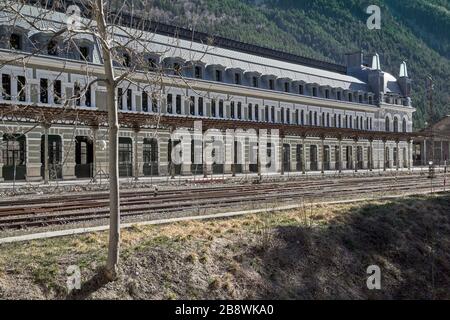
54, 157
150, 155
313, 158
84, 157
14, 157
286, 157
125, 157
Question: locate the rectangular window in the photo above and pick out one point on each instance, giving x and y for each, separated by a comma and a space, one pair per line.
350, 97
151, 64
218, 75
239, 110
154, 104
266, 114
77, 93
129, 99
52, 48
169, 103
144, 101
327, 94
120, 98
286, 87
176, 68
288, 116
198, 72
200, 106
271, 84
21, 88
57, 92
360, 98
84, 53
256, 112
6, 86
178, 104
232, 109
213, 108
15, 41
43, 90
300, 89
338, 95
255, 82
250, 111
192, 106
87, 96
221, 108
237, 78
314, 92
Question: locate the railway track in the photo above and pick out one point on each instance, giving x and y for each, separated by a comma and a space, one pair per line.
62, 209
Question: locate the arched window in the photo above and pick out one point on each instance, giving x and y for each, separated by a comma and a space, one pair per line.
404, 125
387, 124
395, 124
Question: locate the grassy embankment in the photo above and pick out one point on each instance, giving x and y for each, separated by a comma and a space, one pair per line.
313, 253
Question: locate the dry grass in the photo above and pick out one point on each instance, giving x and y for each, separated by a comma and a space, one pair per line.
315, 252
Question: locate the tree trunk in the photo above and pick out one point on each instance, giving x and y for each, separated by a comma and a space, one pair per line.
113, 122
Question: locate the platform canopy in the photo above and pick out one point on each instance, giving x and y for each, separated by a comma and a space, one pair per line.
140, 120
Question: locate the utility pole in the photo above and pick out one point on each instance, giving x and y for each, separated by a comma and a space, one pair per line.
430, 116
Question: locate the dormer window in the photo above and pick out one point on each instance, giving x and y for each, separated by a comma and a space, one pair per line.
176, 68
15, 41
151, 64
198, 72
218, 76
52, 48
84, 53
237, 78
360, 97
339, 95
327, 93
6, 86
126, 60
271, 84
350, 97
286, 87
255, 82
300, 89
57, 92
314, 92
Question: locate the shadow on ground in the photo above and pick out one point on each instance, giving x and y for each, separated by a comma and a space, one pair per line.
408, 239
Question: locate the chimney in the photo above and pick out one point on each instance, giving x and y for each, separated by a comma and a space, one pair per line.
354, 60
403, 70
404, 81
376, 62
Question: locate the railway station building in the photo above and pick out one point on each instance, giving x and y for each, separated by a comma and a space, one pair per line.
330, 117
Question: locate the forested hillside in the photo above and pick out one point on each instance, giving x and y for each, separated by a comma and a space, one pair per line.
417, 31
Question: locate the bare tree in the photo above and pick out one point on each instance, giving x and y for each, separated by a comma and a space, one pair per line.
124, 40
